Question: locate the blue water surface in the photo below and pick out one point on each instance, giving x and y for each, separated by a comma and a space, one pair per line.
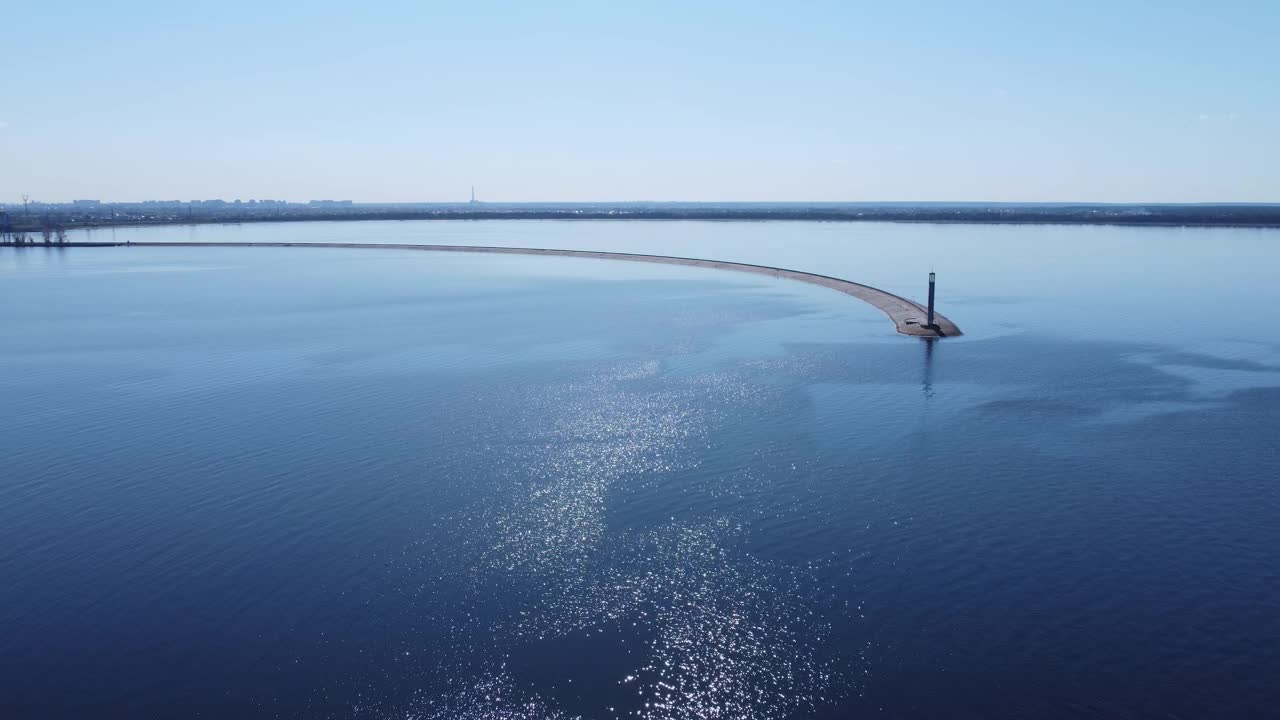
267, 482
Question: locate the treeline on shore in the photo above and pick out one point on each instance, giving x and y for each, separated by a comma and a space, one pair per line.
50, 227
44, 235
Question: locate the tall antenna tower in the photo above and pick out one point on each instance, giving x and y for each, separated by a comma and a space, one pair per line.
473, 194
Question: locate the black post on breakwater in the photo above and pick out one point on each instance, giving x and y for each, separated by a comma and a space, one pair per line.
932, 278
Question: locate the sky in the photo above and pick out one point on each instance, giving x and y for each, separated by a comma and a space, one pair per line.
1119, 101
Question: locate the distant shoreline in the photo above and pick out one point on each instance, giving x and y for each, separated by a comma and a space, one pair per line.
366, 218
1164, 216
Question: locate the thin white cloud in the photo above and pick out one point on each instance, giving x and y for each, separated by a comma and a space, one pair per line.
3, 124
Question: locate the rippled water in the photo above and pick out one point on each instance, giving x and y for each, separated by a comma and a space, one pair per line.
255, 482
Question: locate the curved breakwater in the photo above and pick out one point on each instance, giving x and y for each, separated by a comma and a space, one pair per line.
908, 316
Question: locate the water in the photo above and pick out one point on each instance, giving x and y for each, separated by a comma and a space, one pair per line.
252, 482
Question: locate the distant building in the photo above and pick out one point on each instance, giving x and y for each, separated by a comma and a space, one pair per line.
330, 203
86, 203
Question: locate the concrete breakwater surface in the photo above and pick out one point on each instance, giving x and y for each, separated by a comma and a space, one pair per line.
909, 317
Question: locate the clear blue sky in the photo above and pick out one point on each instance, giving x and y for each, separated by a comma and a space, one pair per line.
389, 101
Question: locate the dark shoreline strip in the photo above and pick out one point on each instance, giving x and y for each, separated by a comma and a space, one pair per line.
1151, 215
907, 316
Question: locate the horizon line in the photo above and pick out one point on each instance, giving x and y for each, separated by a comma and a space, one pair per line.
269, 200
